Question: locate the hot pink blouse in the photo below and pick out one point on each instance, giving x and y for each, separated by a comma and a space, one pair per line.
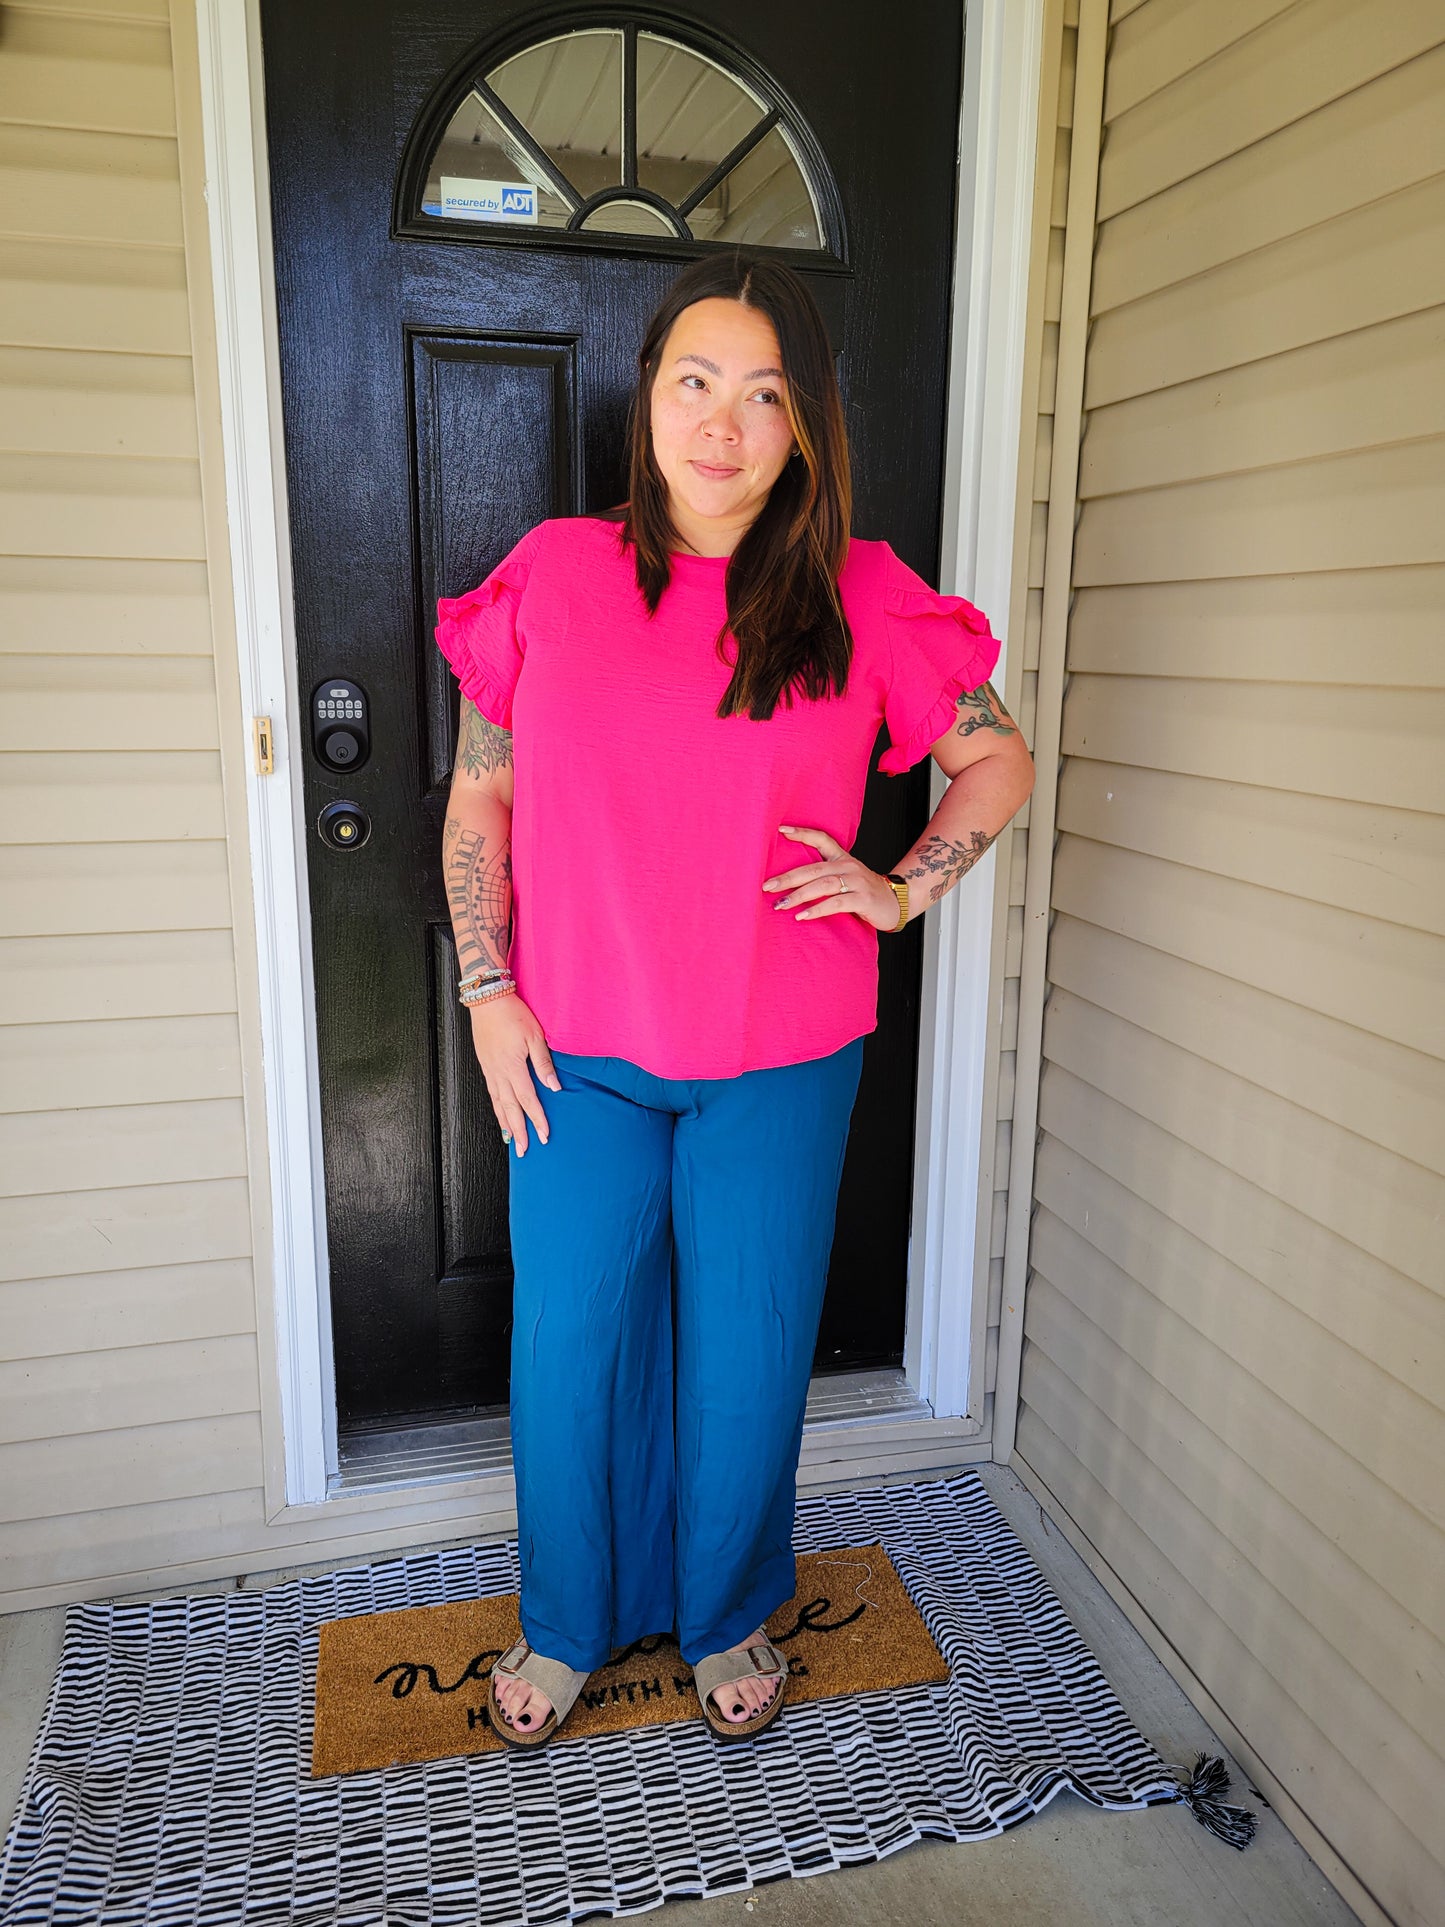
643, 824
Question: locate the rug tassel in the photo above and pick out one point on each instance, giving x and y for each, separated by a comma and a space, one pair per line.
1203, 1791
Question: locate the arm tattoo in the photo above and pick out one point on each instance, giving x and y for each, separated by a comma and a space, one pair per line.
479, 892
481, 746
981, 709
950, 861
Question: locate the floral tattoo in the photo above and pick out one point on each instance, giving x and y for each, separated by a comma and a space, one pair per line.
481, 746
981, 709
948, 860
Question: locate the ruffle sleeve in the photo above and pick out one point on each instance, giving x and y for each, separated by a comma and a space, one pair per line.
941, 645
478, 632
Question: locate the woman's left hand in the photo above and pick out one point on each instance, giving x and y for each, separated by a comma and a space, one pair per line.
864, 893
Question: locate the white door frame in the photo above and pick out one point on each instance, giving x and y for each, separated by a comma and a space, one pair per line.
951, 1210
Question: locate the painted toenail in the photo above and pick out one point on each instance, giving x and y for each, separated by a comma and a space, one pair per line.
526, 1719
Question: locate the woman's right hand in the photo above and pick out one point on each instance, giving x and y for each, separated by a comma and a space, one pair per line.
508, 1039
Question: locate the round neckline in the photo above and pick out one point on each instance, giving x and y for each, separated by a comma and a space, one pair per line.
675, 555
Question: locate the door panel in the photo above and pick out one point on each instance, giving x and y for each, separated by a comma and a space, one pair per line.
481, 408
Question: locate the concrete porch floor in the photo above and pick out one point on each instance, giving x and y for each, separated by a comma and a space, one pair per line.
1069, 1864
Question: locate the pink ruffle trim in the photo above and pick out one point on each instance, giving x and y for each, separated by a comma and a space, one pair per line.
982, 653
457, 621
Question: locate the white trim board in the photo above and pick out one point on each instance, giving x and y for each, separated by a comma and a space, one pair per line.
243, 289
953, 1155
951, 1209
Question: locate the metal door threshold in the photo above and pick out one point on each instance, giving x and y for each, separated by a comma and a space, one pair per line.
465, 1448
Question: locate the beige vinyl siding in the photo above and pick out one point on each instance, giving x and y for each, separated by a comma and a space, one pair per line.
127, 1304
1233, 1371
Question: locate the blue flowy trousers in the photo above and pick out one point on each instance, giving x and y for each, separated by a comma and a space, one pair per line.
670, 1243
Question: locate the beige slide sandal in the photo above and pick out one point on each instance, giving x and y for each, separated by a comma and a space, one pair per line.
559, 1682
760, 1660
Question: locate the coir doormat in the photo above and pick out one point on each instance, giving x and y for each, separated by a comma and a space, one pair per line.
411, 1685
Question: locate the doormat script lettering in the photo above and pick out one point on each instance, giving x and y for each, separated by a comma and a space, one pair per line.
396, 1688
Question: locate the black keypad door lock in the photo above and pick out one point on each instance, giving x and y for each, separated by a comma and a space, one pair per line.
340, 725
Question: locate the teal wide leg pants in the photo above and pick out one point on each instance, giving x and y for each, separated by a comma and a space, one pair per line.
670, 1243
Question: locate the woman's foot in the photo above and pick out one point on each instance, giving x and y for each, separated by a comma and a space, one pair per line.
525, 1706
541, 1692
738, 1699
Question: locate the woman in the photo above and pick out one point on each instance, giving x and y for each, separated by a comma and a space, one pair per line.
666, 722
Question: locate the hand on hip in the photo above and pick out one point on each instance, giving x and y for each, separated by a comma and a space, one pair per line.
836, 884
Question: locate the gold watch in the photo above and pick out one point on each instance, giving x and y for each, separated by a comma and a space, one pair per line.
899, 887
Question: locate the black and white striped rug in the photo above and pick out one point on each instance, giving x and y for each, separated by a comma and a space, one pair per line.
171, 1778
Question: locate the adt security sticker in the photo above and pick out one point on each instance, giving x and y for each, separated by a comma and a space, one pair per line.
488, 200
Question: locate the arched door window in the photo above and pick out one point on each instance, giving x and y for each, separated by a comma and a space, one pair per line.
612, 130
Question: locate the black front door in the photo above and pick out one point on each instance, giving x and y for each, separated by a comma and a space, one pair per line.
476, 207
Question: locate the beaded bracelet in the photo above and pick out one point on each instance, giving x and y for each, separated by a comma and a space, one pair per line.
502, 988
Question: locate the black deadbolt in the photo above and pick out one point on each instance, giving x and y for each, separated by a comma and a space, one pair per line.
340, 728
345, 826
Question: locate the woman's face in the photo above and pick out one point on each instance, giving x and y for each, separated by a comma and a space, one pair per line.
720, 433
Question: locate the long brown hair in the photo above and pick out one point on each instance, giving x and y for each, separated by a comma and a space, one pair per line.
781, 581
